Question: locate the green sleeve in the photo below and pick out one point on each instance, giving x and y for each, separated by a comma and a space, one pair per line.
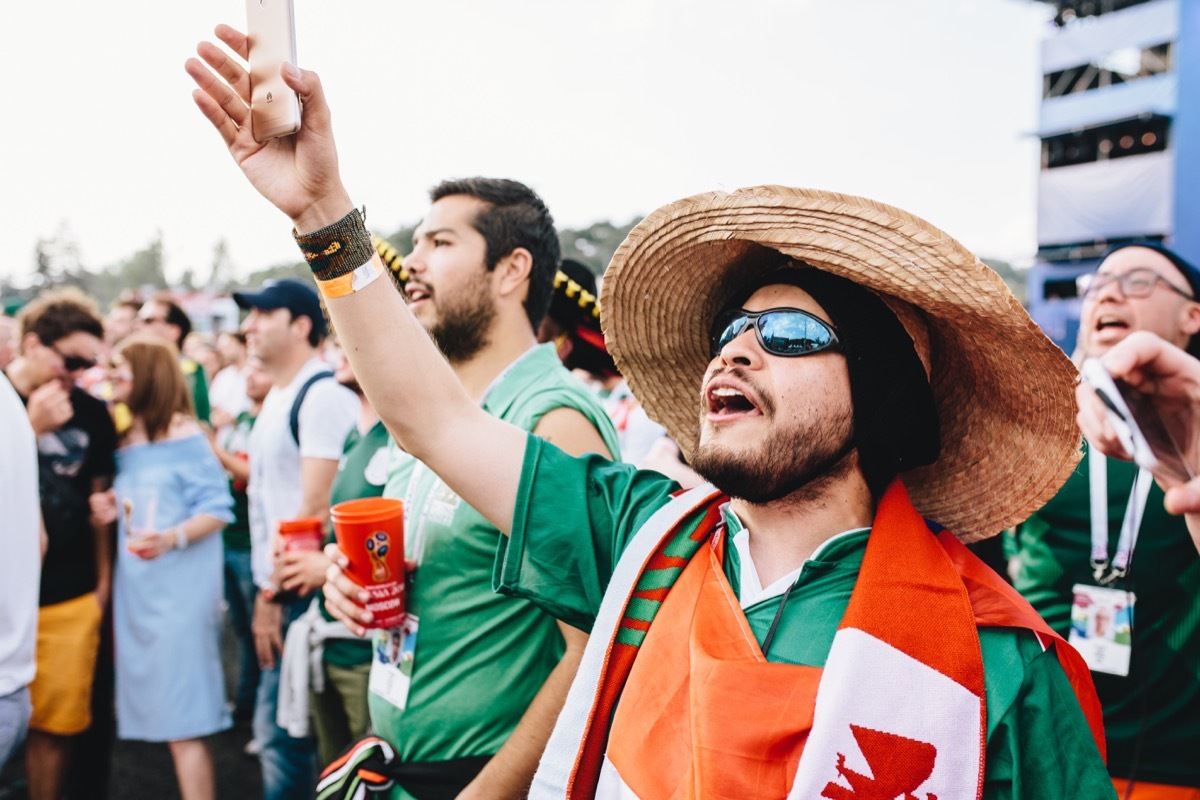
199, 387
574, 517
1040, 746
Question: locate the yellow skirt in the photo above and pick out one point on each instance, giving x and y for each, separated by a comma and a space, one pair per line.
67, 640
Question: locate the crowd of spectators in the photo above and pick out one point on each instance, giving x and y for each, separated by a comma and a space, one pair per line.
148, 468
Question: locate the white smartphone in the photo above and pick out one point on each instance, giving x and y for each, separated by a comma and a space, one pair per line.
271, 30
1140, 425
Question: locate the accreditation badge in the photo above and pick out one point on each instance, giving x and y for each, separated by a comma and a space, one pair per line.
392, 662
1102, 627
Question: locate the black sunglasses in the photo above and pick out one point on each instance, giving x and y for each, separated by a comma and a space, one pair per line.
783, 332
73, 363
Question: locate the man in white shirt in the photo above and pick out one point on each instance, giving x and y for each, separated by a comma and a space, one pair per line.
227, 389
20, 569
294, 450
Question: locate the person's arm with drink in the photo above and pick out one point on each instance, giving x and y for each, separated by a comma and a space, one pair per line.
303, 571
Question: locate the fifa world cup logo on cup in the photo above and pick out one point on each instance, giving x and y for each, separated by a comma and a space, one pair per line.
377, 548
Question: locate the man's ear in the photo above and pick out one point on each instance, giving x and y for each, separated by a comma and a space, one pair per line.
512, 273
28, 341
565, 345
1190, 324
305, 326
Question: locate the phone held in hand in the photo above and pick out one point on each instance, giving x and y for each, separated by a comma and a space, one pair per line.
1156, 440
271, 30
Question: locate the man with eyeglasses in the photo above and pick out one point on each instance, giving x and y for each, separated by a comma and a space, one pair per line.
60, 337
1105, 544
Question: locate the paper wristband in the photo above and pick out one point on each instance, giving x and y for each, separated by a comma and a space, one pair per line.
352, 282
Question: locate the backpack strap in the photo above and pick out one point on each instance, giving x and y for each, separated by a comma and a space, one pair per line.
294, 417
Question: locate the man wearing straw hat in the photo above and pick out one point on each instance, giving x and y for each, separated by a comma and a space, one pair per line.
843, 371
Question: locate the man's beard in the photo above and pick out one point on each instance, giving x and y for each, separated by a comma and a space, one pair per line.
461, 329
794, 463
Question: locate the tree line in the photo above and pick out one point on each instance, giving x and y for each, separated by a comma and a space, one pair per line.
56, 262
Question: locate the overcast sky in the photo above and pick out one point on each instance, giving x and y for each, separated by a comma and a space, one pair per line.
608, 109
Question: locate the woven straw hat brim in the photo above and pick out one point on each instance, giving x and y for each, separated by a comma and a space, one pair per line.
1005, 392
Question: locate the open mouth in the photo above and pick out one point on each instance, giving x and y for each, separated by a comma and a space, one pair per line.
726, 402
1109, 322
416, 292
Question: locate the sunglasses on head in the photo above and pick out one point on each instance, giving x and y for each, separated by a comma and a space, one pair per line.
783, 332
74, 363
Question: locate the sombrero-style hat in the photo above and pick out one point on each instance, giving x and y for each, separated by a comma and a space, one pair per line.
575, 308
392, 260
1004, 392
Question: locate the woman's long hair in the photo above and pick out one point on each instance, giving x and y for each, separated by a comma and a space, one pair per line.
159, 391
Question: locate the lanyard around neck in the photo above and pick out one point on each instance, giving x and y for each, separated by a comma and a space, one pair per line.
1102, 570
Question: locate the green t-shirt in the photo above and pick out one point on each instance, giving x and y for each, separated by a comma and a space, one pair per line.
362, 472
565, 543
236, 535
480, 657
1151, 717
193, 375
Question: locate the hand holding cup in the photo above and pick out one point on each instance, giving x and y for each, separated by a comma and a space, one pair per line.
366, 582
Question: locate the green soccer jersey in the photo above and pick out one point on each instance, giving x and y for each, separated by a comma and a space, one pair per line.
565, 543
193, 375
236, 535
362, 472
1152, 716
480, 656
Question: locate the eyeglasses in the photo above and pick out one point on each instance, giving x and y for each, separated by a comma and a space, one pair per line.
786, 332
1138, 282
73, 363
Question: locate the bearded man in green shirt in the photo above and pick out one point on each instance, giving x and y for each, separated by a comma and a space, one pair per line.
841, 370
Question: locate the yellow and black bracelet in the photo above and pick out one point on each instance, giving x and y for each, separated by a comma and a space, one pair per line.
341, 256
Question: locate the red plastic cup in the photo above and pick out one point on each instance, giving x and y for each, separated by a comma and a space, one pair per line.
370, 531
304, 534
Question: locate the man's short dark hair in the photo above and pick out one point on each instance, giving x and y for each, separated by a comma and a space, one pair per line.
57, 314
515, 217
175, 316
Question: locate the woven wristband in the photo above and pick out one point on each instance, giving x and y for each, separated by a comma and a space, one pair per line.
340, 255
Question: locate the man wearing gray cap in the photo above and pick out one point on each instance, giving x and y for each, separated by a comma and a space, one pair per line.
291, 471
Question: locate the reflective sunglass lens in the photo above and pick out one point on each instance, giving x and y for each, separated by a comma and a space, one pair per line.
789, 333
729, 326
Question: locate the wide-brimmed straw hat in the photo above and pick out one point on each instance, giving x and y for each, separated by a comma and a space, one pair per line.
1004, 392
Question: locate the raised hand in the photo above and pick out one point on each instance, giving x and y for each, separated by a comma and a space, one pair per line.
49, 407
299, 173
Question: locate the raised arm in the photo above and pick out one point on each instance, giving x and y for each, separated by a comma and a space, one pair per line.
403, 374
